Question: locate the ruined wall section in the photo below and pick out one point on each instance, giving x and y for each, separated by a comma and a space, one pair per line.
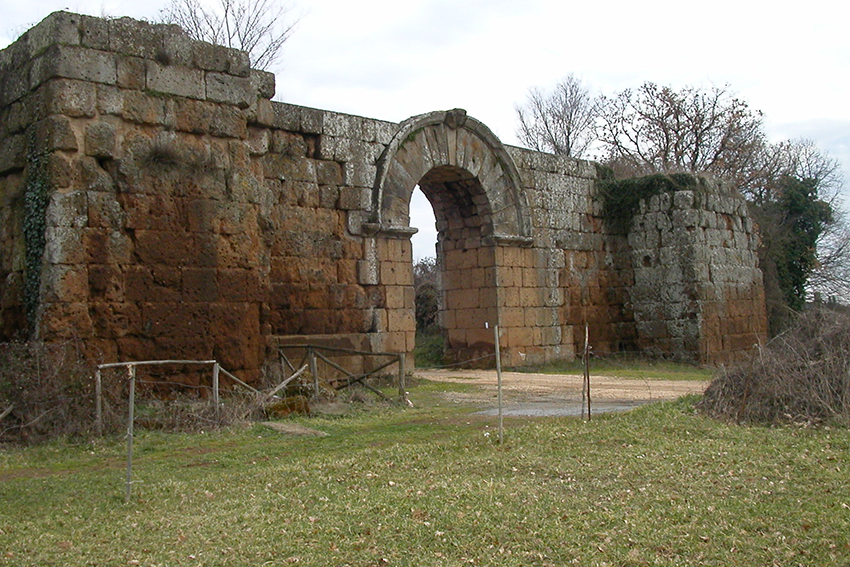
698, 291
150, 234
185, 215
155, 203
575, 273
318, 171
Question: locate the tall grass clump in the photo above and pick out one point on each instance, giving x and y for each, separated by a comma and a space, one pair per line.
46, 391
801, 376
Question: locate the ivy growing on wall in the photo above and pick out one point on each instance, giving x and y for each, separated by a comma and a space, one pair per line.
36, 199
621, 197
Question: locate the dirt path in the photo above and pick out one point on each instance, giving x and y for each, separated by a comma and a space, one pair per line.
558, 394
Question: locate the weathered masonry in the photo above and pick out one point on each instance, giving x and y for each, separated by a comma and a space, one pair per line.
154, 203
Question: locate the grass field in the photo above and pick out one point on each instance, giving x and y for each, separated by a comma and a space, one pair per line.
429, 485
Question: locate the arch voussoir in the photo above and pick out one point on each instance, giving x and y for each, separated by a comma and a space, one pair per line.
447, 138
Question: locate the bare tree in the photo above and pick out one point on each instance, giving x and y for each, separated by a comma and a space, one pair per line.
658, 129
831, 277
259, 27
561, 123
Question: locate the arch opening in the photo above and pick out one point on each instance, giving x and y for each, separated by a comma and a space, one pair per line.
465, 282
474, 189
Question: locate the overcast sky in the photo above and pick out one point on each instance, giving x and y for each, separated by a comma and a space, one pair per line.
395, 59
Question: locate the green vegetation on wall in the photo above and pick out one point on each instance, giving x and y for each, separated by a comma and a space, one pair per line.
621, 197
36, 199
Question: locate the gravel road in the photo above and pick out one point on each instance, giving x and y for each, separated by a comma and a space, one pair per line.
527, 394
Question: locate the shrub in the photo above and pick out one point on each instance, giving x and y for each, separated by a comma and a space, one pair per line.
802, 375
46, 391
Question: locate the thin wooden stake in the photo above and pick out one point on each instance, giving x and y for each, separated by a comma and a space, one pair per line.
402, 390
98, 402
585, 387
216, 399
499, 383
314, 371
131, 371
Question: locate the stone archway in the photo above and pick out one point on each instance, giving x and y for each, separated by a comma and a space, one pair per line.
474, 188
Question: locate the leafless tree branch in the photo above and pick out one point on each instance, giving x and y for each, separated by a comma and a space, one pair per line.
260, 27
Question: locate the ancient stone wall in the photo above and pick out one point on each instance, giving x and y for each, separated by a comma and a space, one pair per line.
155, 203
697, 290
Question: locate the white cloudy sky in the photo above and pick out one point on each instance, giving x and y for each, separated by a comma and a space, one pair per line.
394, 59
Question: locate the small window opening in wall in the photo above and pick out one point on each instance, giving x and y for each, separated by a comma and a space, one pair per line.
647, 262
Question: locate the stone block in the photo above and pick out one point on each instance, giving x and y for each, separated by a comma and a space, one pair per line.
328, 172
100, 139
193, 116
131, 73
69, 97
67, 209
191, 344
400, 320
104, 246
173, 80
259, 141
110, 100
106, 282
263, 83
210, 57
340, 125
260, 113
368, 272
71, 62
355, 198
56, 133
116, 320
164, 247
286, 116
65, 321
289, 168
227, 89
171, 320
15, 84
312, 121
228, 122
328, 196
90, 176
64, 283
13, 153
199, 285
143, 108
64, 245
60, 170
128, 36
94, 33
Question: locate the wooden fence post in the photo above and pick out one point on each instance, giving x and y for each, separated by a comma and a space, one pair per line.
402, 390
314, 370
98, 402
215, 376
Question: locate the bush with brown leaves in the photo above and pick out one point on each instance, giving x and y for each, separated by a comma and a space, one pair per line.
801, 376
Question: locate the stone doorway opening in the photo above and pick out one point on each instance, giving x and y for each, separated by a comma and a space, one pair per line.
465, 263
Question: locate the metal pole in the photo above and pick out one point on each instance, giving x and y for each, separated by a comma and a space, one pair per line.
499, 382
131, 370
98, 403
